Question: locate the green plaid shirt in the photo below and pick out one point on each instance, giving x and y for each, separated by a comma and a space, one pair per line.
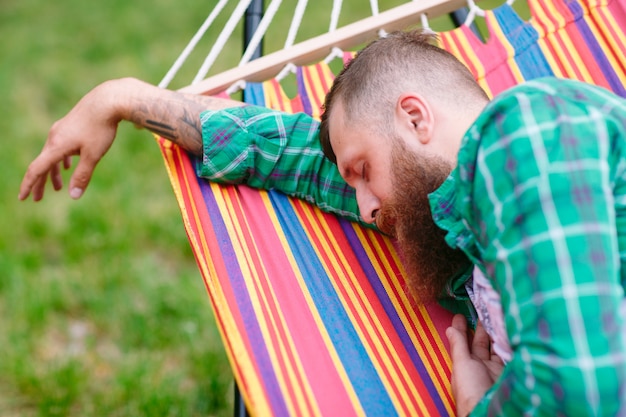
538, 202
272, 150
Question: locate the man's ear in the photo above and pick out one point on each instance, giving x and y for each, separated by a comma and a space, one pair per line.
415, 114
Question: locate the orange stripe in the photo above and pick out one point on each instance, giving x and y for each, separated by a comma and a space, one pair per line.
611, 40
279, 341
427, 340
275, 97
340, 270
300, 208
179, 170
317, 84
455, 42
375, 340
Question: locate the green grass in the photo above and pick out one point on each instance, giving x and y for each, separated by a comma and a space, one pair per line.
102, 309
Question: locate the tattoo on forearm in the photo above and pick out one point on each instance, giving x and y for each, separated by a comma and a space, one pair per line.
192, 121
161, 129
176, 117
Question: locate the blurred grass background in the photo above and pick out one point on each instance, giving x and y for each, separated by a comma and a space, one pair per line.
102, 309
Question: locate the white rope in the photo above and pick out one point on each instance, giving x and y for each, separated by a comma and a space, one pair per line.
239, 85
374, 6
221, 40
336, 52
425, 25
474, 11
295, 23
192, 44
334, 16
256, 39
289, 69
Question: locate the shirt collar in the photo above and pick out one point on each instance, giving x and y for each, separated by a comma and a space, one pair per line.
446, 212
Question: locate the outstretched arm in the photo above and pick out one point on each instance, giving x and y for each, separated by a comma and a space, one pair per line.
89, 129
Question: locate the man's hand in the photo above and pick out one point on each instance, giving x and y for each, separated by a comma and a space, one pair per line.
90, 127
88, 131
474, 367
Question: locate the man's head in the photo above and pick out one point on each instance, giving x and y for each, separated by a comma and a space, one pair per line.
393, 122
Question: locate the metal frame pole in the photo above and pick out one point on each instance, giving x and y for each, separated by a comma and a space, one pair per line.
253, 17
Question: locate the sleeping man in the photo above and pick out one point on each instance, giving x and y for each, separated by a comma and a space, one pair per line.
522, 197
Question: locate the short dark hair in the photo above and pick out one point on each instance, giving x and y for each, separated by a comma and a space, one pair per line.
371, 82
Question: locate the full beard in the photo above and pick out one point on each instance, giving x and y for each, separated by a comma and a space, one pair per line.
428, 260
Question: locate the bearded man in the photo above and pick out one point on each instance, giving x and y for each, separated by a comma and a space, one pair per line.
519, 203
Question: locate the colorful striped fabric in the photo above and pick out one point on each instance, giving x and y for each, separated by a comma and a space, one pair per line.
312, 309
584, 40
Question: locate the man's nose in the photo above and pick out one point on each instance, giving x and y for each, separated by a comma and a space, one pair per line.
368, 203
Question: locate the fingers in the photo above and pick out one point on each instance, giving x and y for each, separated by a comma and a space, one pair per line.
481, 343
457, 336
58, 150
39, 187
34, 180
55, 177
36, 177
47, 164
81, 176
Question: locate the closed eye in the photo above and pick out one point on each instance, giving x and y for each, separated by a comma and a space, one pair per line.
365, 172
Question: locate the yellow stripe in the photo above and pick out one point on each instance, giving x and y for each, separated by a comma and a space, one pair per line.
371, 325
326, 249
454, 39
384, 272
399, 297
616, 42
314, 86
343, 375
370, 321
255, 386
544, 45
227, 327
274, 94
258, 299
545, 30
567, 53
308, 392
578, 62
272, 101
269, 324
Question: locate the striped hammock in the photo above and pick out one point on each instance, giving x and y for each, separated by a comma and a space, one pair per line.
312, 309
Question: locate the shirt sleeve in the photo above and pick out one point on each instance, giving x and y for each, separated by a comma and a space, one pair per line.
542, 208
267, 149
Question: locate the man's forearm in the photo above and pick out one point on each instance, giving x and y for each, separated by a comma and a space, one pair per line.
89, 129
170, 114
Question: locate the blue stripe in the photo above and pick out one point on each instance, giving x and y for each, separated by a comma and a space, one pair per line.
523, 38
363, 376
392, 312
253, 94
